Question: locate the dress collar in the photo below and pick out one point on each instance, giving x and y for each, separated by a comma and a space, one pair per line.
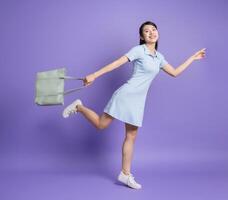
147, 51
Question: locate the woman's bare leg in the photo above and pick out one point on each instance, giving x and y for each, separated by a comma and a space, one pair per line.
100, 122
127, 148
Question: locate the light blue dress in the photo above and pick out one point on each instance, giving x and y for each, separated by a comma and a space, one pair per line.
127, 102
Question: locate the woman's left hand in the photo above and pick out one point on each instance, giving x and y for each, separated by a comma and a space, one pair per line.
199, 54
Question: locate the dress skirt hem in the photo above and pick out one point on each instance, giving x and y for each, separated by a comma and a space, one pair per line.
123, 120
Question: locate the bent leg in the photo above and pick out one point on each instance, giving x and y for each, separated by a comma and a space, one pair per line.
100, 122
127, 148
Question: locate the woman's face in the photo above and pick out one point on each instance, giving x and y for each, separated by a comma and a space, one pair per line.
150, 34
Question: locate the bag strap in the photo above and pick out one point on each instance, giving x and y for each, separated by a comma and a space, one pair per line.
74, 89
70, 90
70, 78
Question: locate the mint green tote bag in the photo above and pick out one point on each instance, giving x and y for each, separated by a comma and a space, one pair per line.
50, 87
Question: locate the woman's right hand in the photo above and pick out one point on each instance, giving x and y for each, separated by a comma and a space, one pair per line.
89, 79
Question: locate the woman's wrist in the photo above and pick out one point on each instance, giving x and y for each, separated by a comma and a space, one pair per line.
192, 58
95, 75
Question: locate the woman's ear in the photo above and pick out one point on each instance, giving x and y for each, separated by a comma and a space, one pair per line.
141, 38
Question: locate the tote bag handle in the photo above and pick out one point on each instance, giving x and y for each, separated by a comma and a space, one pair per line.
74, 89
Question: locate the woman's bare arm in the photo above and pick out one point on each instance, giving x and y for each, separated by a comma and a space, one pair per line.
175, 72
117, 63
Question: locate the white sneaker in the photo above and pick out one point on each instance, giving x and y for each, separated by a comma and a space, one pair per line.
129, 180
71, 109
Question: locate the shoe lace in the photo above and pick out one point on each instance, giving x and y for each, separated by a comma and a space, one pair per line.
132, 179
71, 112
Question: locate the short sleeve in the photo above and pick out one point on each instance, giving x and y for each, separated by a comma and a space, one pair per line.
133, 53
163, 61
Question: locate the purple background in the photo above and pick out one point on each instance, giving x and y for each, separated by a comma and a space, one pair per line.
181, 150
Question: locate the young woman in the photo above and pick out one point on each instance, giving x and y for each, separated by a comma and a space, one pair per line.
127, 102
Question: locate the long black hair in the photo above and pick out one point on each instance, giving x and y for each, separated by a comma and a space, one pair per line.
141, 32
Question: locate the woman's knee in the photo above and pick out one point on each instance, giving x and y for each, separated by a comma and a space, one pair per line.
104, 121
131, 131
131, 135
131, 128
101, 126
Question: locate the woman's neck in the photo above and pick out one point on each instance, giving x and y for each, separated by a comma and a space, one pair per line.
151, 47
